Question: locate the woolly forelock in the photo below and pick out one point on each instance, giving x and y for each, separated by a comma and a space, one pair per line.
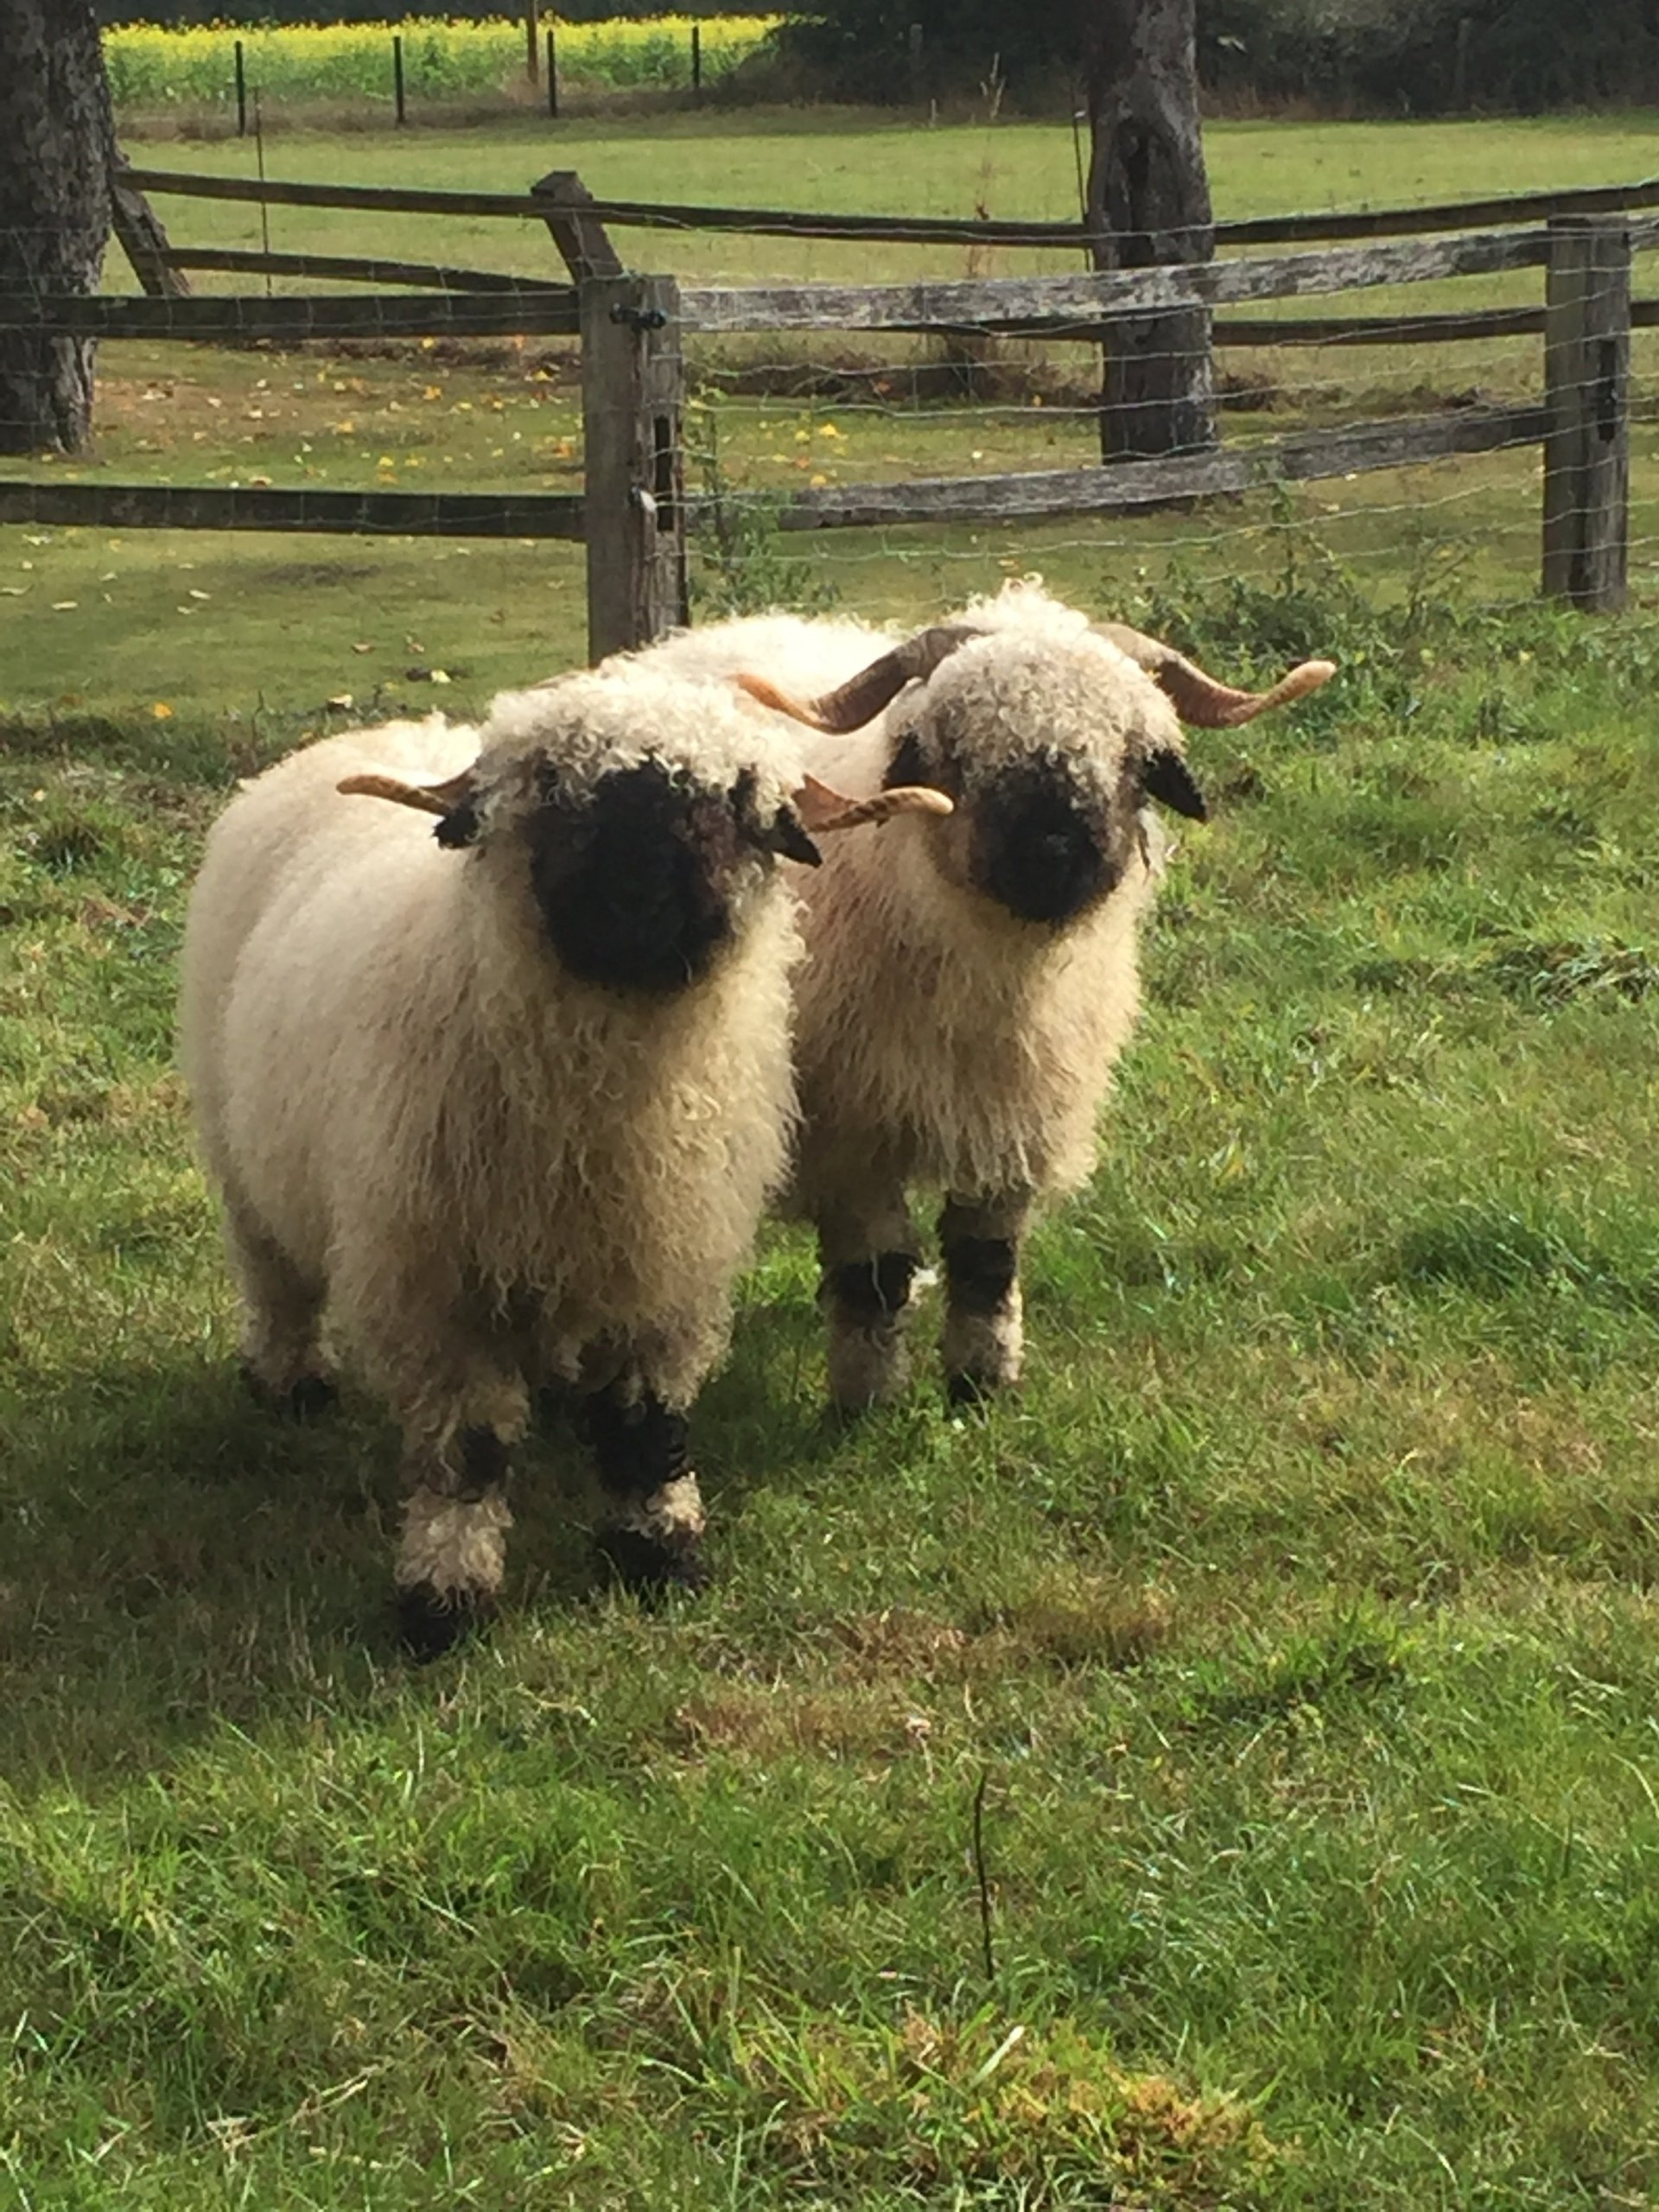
1037, 687
585, 726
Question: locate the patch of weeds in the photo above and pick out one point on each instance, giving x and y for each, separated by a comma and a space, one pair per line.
1543, 975
1071, 1621
1390, 975
1309, 603
1038, 2116
1494, 1255
1355, 1655
1552, 974
1498, 718
741, 566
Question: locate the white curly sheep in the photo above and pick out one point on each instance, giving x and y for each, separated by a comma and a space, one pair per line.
970, 981
505, 1101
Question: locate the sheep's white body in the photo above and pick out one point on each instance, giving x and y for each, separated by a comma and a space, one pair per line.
491, 1174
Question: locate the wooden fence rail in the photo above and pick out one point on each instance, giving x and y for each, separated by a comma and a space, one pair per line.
239, 319
907, 230
634, 517
1302, 458
304, 508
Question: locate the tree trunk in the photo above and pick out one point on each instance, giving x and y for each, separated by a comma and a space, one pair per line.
56, 140
1148, 187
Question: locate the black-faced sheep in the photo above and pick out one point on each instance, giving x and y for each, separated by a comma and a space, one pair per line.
505, 1101
970, 981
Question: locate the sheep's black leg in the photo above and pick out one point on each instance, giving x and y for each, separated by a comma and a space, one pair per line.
452, 1553
652, 1535
870, 1258
984, 1336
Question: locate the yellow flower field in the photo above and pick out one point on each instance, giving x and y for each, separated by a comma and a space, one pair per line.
152, 66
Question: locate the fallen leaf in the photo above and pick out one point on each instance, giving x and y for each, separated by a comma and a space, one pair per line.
194, 594
162, 711
342, 703
362, 649
65, 605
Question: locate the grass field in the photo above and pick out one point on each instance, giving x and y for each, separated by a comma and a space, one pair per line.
1297, 1621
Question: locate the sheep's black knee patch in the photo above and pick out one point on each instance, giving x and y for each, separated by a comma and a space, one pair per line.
979, 1272
306, 1400
432, 1621
650, 1564
970, 1392
871, 1290
483, 1464
639, 1444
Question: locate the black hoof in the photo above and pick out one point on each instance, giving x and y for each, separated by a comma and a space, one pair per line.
311, 1397
307, 1400
432, 1621
972, 1393
647, 1565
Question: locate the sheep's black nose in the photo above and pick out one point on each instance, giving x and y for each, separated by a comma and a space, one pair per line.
1036, 851
630, 887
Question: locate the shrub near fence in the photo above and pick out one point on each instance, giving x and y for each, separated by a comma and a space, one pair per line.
152, 67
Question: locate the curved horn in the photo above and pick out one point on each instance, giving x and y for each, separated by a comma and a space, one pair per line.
434, 795
862, 698
822, 808
1199, 699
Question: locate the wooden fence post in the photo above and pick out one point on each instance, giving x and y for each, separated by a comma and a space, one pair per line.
1586, 378
633, 496
581, 238
143, 240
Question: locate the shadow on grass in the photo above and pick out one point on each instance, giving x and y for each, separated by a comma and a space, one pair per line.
176, 1558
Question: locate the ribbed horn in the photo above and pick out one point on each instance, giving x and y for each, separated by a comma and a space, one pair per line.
437, 795
822, 808
1199, 699
862, 698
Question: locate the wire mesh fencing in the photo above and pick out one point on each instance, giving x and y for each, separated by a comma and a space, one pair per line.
891, 434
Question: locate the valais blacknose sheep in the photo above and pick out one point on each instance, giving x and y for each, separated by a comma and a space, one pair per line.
969, 979
503, 1095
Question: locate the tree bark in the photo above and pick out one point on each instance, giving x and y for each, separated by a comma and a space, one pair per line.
1149, 189
56, 142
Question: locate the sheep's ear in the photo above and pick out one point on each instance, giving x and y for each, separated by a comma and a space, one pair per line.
784, 833
450, 797
1166, 776
787, 835
821, 807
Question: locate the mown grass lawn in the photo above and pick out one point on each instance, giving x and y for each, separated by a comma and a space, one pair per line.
1296, 1621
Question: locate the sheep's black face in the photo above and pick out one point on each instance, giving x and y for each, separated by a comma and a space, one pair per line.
634, 883
1039, 846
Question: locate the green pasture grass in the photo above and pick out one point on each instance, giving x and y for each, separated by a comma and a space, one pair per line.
1296, 1619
